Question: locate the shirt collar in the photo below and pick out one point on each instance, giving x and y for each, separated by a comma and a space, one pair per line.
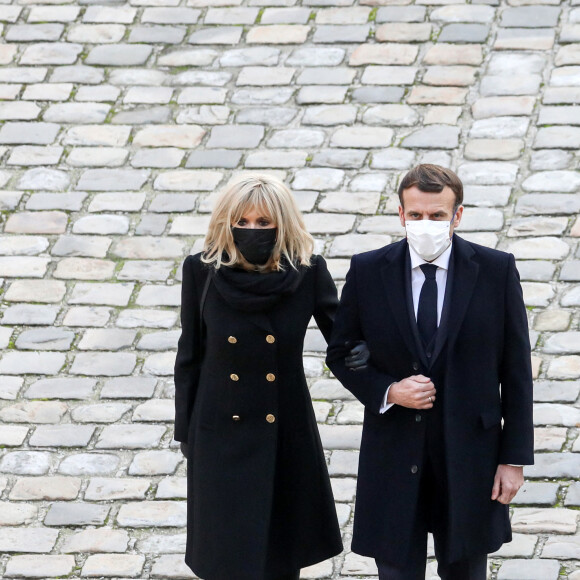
441, 262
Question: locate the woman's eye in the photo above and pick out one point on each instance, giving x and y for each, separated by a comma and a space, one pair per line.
242, 222
264, 223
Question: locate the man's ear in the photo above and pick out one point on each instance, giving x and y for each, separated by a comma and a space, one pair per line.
457, 217
402, 215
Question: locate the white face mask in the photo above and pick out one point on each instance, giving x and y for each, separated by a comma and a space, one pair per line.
428, 238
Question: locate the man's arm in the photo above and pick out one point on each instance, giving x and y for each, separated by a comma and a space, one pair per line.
367, 385
517, 442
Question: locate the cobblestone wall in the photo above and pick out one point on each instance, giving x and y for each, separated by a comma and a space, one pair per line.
117, 122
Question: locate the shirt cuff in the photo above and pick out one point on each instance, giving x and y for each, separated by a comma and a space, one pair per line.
386, 406
514, 465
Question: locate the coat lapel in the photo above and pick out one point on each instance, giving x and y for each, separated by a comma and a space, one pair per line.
394, 275
461, 280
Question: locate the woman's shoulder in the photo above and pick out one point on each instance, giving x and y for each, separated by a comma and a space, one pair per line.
194, 263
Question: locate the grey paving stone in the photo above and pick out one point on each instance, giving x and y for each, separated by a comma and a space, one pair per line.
135, 318
89, 464
34, 32
166, 157
339, 158
153, 270
71, 201
53, 487
30, 314
87, 316
530, 570
556, 465
105, 364
62, 436
223, 158
328, 115
272, 116
464, 33
12, 436
45, 339
112, 179
107, 339
26, 463
23, 363
156, 463
61, 388
119, 55
216, 35
28, 133
101, 488
341, 34
84, 269
76, 514
147, 514
434, 136
115, 202
537, 493
34, 539
524, 39
77, 74
97, 540
271, 159
93, 246
162, 543
562, 548
157, 34
151, 295
530, 16
143, 116
573, 494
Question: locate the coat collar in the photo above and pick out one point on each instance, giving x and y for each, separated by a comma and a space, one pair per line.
461, 280
394, 275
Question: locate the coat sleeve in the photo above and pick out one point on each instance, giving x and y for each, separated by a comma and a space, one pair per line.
326, 298
188, 359
517, 443
368, 385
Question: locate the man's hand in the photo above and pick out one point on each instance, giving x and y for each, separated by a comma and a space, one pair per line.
507, 482
416, 392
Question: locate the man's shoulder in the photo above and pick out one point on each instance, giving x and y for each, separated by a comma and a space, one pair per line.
483, 254
374, 257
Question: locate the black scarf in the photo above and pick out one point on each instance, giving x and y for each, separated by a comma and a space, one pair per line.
256, 291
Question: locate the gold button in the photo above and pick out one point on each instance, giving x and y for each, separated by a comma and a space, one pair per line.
270, 377
234, 377
270, 339
270, 418
232, 340
236, 418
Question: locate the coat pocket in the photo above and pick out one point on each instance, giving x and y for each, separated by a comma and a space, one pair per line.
490, 418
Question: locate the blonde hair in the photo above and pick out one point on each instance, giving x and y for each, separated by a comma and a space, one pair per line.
269, 194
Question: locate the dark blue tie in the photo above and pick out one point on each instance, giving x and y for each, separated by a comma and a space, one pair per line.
427, 310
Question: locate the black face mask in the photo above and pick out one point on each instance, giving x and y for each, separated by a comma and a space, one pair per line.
256, 245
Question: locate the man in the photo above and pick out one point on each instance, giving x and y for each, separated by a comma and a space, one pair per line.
446, 327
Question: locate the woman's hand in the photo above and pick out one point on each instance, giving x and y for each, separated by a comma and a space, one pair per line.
358, 356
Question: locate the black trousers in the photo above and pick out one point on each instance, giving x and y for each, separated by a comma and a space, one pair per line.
431, 516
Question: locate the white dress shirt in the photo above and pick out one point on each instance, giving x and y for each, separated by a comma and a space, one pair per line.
417, 279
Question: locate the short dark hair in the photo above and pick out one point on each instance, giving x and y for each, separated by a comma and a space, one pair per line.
432, 179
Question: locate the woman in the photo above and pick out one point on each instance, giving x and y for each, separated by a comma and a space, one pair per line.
260, 505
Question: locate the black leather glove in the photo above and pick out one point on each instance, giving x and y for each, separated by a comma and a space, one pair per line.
359, 355
184, 448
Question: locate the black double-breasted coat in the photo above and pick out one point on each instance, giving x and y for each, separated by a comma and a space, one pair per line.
259, 497
481, 361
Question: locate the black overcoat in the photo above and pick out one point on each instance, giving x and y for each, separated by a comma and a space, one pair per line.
259, 497
487, 376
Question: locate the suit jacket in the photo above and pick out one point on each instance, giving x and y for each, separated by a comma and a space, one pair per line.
484, 350
259, 501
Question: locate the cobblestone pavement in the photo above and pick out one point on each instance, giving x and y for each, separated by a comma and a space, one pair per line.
118, 120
